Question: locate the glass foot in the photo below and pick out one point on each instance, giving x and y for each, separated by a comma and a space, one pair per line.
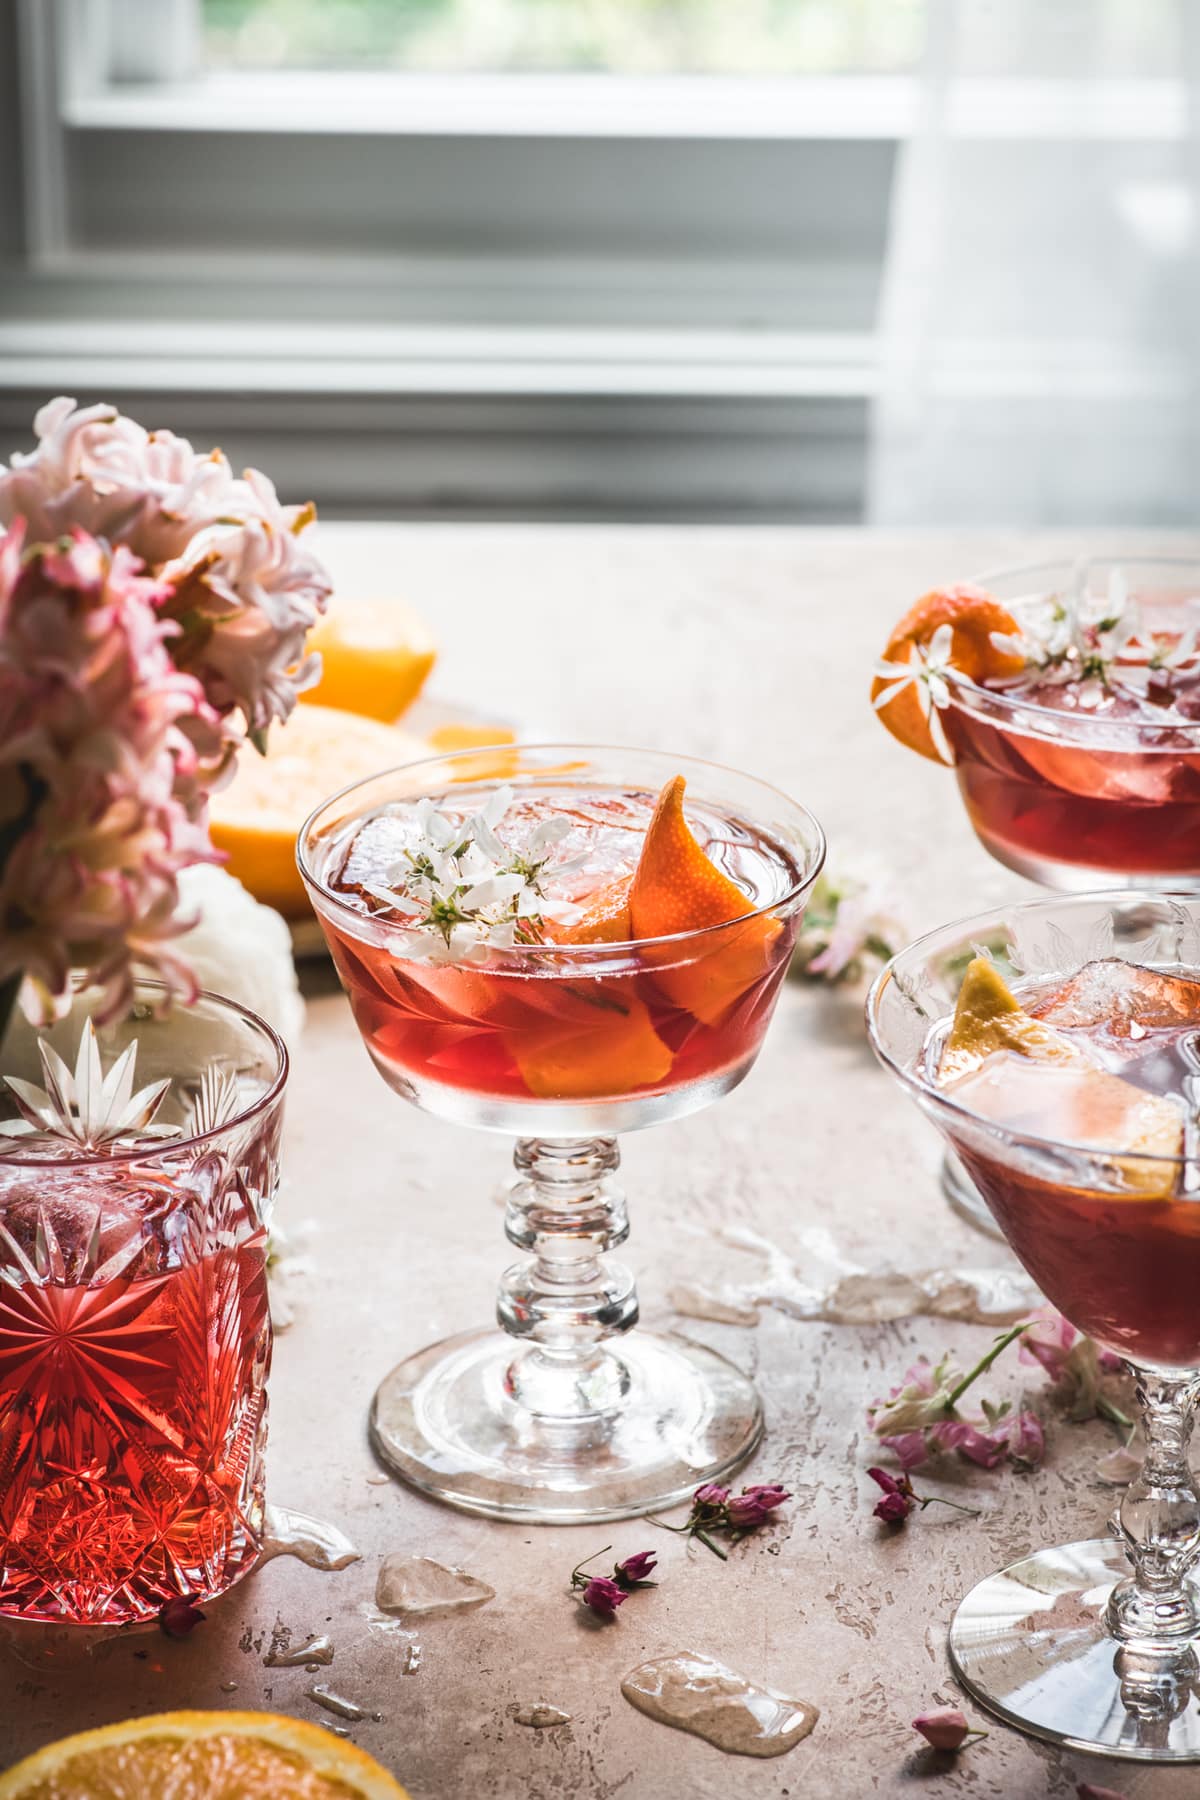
665, 1416
1030, 1644
965, 1198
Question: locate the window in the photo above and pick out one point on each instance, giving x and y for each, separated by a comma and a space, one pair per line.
626, 37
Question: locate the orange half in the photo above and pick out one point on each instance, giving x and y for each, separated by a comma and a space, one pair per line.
375, 657
256, 818
201, 1756
973, 616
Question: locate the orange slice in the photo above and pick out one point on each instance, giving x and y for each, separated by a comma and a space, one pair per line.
375, 657
1019, 1072
458, 735
602, 1043
676, 889
256, 818
604, 920
973, 616
201, 1756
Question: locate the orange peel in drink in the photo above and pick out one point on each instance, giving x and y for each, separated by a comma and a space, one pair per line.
676, 889
603, 1043
971, 616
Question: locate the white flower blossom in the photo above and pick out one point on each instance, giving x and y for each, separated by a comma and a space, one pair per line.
462, 892
926, 672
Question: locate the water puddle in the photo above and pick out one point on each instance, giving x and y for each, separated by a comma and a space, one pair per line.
312, 1541
337, 1703
697, 1694
417, 1587
540, 1716
841, 1292
315, 1653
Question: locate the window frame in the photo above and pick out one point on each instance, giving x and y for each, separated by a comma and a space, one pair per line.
655, 295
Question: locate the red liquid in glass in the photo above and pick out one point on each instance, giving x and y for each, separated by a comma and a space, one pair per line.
1127, 812
1124, 1268
551, 1026
132, 1405
1094, 774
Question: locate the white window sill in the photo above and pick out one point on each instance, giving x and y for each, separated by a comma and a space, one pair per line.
359, 103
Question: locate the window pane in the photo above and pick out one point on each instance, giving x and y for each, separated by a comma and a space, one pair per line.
731, 37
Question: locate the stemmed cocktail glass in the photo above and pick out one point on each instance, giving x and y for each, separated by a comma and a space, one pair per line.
1092, 1644
562, 1037
1083, 769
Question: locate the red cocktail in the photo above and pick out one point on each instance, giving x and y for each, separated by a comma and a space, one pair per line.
564, 1014
1068, 699
135, 1338
562, 943
1064, 1068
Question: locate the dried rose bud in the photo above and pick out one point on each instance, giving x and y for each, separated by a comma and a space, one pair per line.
603, 1596
711, 1494
636, 1568
754, 1506
179, 1617
945, 1728
898, 1497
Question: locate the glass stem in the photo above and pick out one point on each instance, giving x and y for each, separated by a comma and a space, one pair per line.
567, 1296
1159, 1519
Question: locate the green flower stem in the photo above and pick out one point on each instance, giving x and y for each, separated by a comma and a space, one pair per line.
983, 1365
1106, 1409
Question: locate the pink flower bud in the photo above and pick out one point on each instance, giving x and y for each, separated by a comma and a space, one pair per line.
636, 1568
603, 1596
178, 1618
711, 1494
898, 1498
945, 1728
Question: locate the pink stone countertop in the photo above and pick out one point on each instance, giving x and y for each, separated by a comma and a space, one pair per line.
752, 647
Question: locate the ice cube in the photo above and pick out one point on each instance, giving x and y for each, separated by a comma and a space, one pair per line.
1121, 995
1080, 1105
74, 1223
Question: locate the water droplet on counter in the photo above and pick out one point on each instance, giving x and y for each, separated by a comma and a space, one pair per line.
336, 1703
697, 1694
339, 1731
314, 1653
321, 1546
842, 1292
379, 1480
419, 1587
539, 1715
229, 1687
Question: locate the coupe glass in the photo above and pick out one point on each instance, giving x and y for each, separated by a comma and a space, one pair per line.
1092, 1644
1072, 800
135, 1339
548, 1418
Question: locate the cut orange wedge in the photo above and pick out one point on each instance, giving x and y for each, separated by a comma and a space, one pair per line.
375, 656
458, 735
201, 1756
256, 818
677, 889
604, 920
973, 616
602, 1043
